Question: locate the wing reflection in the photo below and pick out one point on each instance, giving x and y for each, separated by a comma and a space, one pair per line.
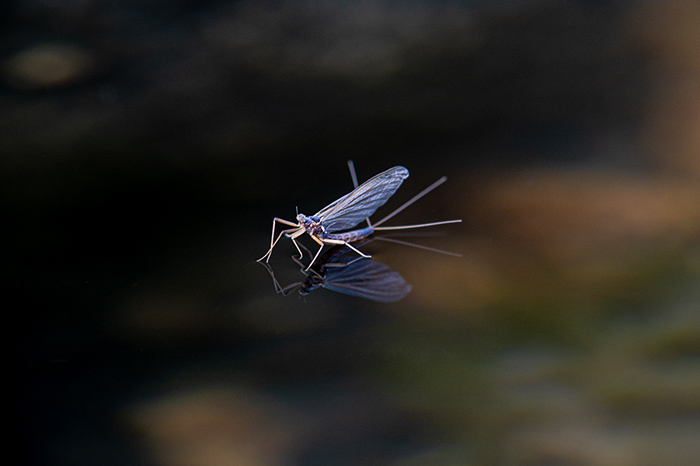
348, 274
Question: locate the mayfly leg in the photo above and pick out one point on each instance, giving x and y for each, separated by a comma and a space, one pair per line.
356, 250
325, 241
317, 253
283, 232
294, 236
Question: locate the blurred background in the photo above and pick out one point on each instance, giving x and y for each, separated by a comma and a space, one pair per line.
145, 147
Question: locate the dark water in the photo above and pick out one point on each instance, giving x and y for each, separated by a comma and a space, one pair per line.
146, 148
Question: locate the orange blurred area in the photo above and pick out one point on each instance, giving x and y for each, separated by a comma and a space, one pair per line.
215, 426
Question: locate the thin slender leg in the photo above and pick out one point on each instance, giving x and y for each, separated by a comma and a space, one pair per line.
297, 259
292, 237
356, 250
273, 243
321, 242
333, 241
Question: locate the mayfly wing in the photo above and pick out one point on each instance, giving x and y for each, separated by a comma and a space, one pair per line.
367, 279
361, 203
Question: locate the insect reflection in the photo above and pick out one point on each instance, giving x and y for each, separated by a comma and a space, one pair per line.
340, 270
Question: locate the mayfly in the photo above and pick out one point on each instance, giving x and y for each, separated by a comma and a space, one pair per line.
329, 225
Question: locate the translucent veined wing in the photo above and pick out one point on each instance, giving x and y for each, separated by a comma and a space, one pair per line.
369, 279
361, 203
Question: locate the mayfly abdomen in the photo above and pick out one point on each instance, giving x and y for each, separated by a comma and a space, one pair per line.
351, 236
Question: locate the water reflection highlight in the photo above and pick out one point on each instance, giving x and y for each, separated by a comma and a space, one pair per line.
340, 270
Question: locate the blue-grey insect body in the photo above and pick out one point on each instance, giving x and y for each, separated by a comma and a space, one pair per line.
330, 224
